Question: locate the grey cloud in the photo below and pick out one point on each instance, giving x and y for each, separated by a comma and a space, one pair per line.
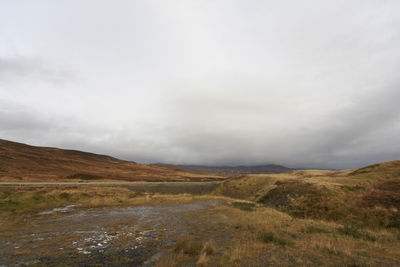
33, 69
252, 125
220, 82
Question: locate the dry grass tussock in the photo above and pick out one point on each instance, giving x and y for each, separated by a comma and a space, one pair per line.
267, 236
188, 249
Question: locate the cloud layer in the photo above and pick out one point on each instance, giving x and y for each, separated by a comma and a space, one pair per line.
299, 83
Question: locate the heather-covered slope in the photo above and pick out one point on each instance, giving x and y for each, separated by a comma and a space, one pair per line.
21, 162
368, 196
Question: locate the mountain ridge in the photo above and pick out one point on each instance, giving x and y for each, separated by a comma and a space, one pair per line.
226, 170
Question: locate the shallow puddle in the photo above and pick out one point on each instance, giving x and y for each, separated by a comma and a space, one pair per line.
125, 236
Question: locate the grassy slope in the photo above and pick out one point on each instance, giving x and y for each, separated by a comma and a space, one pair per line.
368, 196
20, 162
265, 236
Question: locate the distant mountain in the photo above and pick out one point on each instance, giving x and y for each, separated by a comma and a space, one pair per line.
21, 162
229, 171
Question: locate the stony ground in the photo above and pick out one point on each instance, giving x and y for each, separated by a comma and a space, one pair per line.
130, 236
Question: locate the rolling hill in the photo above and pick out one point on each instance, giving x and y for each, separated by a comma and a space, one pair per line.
20, 162
368, 196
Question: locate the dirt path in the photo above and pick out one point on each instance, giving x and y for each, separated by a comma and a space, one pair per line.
132, 236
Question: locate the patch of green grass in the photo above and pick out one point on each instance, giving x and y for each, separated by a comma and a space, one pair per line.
38, 196
363, 254
65, 195
20, 202
269, 237
331, 235
251, 228
244, 206
393, 224
85, 195
350, 230
84, 176
353, 231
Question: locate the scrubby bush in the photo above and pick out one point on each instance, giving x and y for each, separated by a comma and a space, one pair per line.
353, 231
188, 246
244, 206
269, 237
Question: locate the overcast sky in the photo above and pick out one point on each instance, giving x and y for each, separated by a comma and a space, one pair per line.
298, 83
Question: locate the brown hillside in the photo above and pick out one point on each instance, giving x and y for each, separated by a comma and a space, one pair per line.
386, 170
21, 162
368, 196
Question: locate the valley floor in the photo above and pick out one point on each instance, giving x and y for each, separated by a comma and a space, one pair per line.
116, 226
